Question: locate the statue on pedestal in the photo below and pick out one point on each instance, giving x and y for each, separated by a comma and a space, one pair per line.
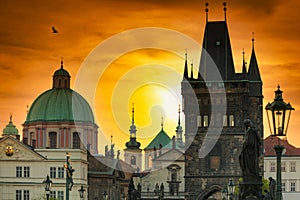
249, 162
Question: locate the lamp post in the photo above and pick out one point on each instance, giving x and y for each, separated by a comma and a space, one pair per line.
69, 177
81, 192
231, 187
47, 183
278, 114
104, 195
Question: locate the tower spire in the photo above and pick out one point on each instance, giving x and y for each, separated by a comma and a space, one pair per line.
132, 144
179, 131
179, 115
186, 72
244, 70
132, 120
252, 40
62, 63
192, 73
225, 9
206, 10
162, 123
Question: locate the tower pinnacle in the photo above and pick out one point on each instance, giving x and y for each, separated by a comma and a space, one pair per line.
206, 10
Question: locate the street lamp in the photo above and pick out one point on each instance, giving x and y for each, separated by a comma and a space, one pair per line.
81, 192
278, 114
47, 183
231, 187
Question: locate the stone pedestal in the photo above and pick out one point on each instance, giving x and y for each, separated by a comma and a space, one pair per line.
250, 188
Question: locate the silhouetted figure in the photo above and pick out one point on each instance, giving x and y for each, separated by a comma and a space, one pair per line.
54, 30
161, 191
248, 158
156, 189
272, 187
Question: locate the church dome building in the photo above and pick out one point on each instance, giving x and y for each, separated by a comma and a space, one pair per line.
61, 118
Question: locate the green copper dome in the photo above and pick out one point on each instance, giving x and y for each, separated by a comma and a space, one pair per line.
10, 129
60, 104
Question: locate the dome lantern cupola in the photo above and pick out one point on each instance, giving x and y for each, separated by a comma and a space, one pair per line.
11, 129
61, 77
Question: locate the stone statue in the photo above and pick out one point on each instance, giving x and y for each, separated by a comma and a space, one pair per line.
161, 191
249, 162
248, 158
156, 189
272, 187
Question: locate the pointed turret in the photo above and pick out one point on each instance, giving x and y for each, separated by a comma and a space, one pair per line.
186, 71
133, 144
244, 68
253, 73
216, 43
254, 78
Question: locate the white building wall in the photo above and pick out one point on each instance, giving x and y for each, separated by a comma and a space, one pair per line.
39, 169
288, 176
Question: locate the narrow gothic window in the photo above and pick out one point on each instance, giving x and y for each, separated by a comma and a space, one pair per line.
76, 141
205, 121
231, 120
53, 139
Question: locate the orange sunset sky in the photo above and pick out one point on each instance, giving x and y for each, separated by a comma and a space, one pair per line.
30, 53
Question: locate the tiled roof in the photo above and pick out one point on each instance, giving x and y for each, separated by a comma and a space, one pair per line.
271, 141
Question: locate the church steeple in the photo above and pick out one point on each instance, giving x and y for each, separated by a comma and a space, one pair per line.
132, 144
179, 129
253, 73
186, 71
61, 77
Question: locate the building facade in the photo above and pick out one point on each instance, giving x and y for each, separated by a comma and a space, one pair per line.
290, 166
214, 139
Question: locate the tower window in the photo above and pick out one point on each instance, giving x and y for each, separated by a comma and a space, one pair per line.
231, 120
205, 121
53, 139
133, 160
76, 141
215, 162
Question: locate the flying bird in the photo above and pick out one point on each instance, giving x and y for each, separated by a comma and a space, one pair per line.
54, 30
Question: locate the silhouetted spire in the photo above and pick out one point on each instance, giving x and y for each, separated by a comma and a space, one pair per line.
132, 144
62, 63
225, 9
253, 72
162, 123
179, 128
192, 73
186, 72
206, 11
244, 70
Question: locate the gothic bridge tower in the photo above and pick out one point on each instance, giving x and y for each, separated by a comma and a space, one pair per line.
209, 173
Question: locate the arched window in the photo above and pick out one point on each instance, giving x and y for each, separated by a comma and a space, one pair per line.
149, 161
76, 140
53, 140
133, 160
